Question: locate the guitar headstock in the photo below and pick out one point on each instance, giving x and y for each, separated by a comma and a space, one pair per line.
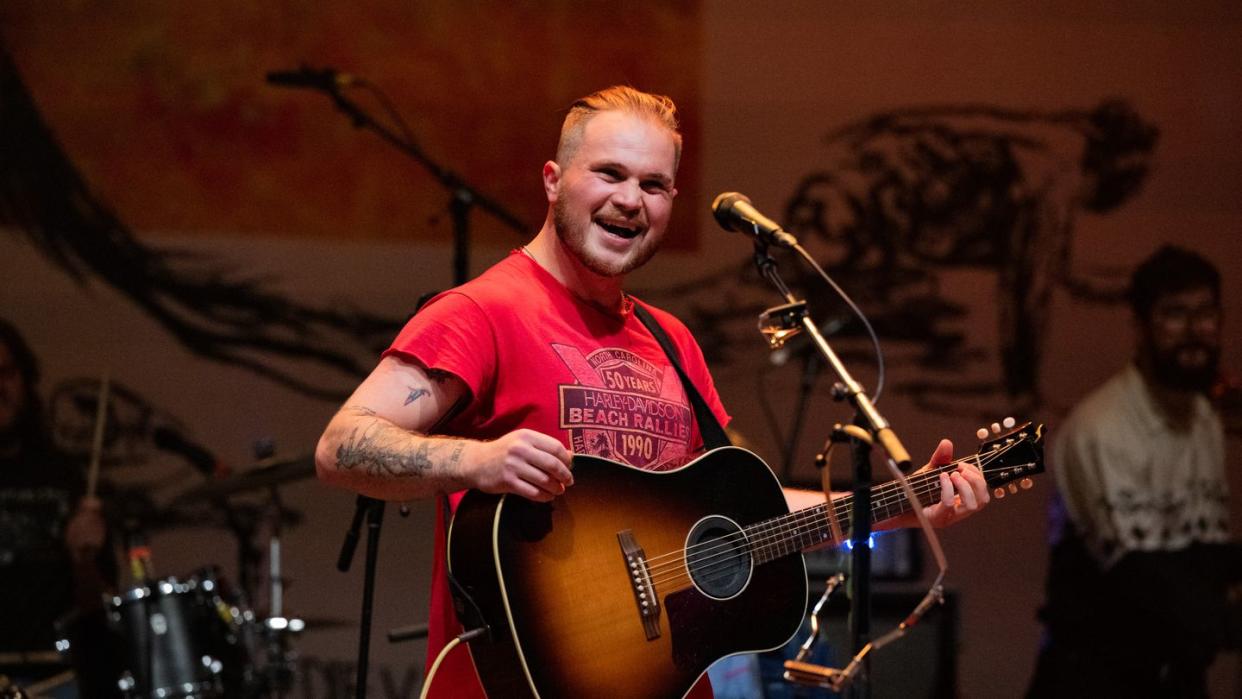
1010, 454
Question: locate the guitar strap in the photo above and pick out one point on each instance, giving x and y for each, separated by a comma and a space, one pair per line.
709, 427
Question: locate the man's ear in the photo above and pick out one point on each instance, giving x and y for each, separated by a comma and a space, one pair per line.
551, 180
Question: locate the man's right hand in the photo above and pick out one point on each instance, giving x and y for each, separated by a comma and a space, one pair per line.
524, 462
382, 443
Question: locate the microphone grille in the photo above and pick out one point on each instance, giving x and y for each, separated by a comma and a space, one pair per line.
722, 208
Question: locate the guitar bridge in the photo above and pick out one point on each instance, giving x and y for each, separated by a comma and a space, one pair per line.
640, 582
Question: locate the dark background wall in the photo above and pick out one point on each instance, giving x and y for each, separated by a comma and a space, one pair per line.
991, 111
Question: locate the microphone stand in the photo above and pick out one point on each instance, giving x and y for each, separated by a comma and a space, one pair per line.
795, 314
462, 196
859, 588
373, 511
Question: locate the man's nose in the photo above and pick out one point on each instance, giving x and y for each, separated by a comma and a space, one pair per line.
627, 196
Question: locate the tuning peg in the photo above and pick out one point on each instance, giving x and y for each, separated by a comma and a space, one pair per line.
1013, 488
1026, 483
982, 433
996, 428
999, 493
1008, 423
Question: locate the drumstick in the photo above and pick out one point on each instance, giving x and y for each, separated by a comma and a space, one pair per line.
101, 418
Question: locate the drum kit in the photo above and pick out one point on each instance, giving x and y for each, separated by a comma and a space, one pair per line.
195, 635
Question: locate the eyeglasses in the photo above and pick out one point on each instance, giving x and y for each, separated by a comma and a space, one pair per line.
1177, 317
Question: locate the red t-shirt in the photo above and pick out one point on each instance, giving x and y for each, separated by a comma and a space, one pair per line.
535, 356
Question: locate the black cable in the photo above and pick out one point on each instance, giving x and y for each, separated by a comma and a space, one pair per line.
386, 103
875, 341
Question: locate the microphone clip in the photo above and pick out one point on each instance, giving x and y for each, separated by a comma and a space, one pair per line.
779, 324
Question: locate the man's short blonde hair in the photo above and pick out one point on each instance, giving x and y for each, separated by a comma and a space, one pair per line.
618, 98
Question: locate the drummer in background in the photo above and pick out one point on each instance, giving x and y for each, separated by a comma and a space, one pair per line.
55, 561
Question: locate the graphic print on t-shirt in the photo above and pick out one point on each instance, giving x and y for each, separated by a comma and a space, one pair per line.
624, 408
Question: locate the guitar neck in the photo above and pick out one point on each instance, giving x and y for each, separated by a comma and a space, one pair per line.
824, 523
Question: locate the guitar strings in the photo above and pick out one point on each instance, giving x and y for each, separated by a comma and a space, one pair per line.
780, 529
708, 570
718, 568
774, 526
786, 528
719, 558
885, 494
761, 535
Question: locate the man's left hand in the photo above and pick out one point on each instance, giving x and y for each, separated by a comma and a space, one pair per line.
963, 492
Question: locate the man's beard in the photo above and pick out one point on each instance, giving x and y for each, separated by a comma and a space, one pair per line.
574, 238
1169, 371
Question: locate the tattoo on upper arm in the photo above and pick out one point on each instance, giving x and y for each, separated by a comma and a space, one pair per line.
415, 394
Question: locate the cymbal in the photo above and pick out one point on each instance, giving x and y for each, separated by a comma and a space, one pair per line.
258, 478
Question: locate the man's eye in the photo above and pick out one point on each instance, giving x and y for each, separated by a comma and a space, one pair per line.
611, 175
654, 187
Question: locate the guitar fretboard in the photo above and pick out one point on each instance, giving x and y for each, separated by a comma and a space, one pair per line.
813, 526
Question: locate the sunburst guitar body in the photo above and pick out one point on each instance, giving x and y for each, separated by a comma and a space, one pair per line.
633, 582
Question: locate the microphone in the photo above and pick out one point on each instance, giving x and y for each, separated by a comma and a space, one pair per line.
734, 212
326, 79
172, 441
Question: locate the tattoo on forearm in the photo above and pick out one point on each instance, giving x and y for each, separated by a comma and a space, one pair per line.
366, 448
454, 458
415, 394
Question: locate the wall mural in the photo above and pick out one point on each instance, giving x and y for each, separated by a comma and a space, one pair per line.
165, 124
213, 312
904, 196
900, 197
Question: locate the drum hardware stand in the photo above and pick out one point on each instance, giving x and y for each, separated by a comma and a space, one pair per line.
277, 628
249, 557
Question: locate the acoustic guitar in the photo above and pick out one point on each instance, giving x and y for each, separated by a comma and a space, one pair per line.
633, 582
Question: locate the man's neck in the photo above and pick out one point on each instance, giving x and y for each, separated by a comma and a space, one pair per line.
1177, 404
549, 252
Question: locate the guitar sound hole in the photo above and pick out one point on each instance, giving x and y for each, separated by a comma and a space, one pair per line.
718, 557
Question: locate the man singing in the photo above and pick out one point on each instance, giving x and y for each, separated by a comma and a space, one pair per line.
478, 388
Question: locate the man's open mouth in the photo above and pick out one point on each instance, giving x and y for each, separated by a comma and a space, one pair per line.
621, 230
